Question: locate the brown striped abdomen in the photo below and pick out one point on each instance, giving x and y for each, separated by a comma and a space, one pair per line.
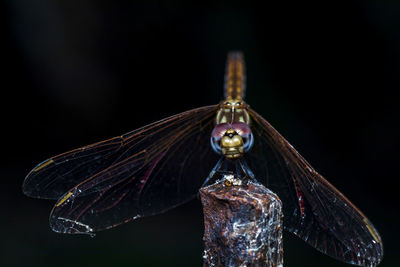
235, 78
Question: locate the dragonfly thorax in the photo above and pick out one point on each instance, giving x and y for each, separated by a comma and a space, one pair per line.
231, 111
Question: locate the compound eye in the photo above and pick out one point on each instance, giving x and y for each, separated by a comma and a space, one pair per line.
220, 129
245, 132
248, 141
241, 128
216, 144
217, 134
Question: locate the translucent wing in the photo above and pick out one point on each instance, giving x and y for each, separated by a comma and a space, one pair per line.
144, 172
314, 210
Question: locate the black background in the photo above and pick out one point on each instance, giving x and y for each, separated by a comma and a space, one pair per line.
324, 73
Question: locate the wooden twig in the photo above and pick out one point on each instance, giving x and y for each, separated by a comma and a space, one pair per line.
243, 225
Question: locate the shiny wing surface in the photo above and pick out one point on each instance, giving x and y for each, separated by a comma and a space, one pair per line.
314, 210
143, 172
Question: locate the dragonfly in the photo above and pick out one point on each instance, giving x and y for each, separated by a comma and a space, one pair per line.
162, 165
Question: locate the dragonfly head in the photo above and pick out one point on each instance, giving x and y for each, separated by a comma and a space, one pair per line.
231, 140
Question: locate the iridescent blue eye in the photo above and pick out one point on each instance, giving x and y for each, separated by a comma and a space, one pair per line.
248, 142
216, 144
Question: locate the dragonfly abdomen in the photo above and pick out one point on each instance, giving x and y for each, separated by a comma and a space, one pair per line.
235, 78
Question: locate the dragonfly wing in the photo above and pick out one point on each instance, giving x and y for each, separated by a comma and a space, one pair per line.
53, 177
314, 210
149, 170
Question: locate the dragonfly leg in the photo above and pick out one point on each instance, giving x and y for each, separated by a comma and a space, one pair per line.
213, 171
247, 170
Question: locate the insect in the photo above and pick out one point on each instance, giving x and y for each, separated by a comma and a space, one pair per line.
162, 165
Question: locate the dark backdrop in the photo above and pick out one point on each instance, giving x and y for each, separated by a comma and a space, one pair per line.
324, 73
